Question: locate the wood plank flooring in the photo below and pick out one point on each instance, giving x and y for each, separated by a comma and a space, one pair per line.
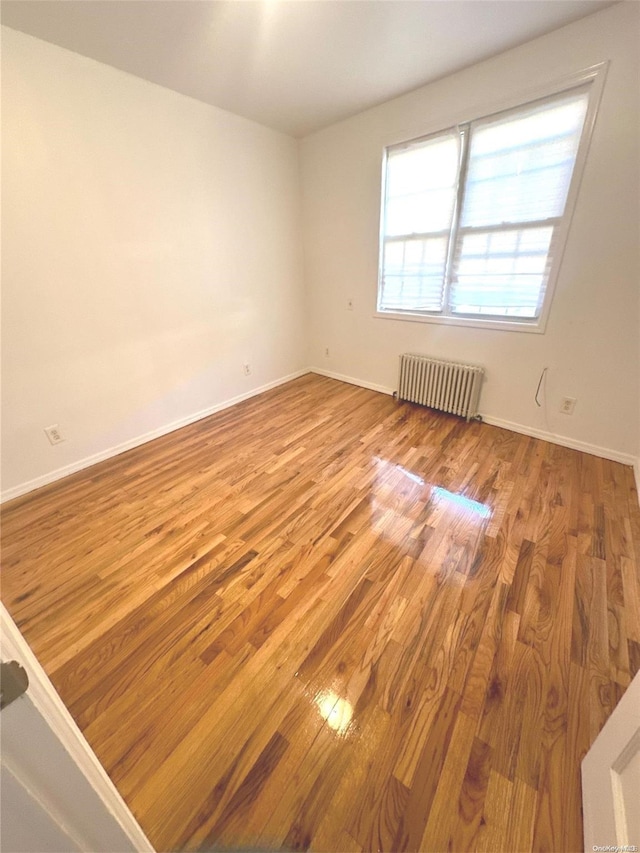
326, 620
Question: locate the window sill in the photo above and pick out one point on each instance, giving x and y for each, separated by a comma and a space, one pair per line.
536, 328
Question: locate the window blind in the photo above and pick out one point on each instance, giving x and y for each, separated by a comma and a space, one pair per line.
470, 216
420, 195
518, 176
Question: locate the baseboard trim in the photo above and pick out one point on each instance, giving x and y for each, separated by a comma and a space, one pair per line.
562, 440
88, 461
110, 452
382, 389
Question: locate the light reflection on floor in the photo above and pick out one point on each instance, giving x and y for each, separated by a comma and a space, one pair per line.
336, 711
482, 510
438, 493
409, 474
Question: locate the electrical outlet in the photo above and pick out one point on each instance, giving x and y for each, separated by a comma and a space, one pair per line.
247, 369
326, 352
349, 304
567, 405
53, 434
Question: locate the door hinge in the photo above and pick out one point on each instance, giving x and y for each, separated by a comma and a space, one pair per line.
13, 682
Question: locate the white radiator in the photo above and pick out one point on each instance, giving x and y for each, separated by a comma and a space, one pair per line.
444, 385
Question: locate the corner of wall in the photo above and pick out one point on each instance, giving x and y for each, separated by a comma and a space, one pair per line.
109, 452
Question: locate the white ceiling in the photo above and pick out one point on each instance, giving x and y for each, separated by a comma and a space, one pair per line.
294, 65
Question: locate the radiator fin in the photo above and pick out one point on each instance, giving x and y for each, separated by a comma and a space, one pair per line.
444, 385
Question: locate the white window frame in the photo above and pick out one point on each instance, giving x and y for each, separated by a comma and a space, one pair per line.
595, 76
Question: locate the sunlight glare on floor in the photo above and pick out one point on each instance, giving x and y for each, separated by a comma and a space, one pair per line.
336, 711
440, 494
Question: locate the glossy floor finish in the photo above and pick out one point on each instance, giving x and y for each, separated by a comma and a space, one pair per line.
322, 619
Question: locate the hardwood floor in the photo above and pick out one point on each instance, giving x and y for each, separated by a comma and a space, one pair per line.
322, 619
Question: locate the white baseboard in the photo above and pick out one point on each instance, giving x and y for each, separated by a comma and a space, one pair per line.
109, 452
88, 461
562, 440
361, 382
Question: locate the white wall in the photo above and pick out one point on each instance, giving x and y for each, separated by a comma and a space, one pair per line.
151, 246
591, 342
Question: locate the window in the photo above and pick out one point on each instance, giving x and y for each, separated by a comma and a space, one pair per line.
474, 217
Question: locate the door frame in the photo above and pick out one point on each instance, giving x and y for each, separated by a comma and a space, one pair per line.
605, 821
47, 701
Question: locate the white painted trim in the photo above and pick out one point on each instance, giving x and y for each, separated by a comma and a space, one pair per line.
605, 821
59, 473
88, 461
562, 440
43, 695
32, 800
534, 326
422, 126
382, 389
